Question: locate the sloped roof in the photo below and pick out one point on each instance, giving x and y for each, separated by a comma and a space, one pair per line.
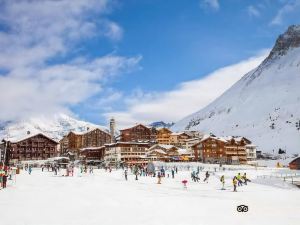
87, 131
27, 136
135, 126
167, 147
91, 148
156, 150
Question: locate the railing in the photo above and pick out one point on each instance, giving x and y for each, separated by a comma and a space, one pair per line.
291, 177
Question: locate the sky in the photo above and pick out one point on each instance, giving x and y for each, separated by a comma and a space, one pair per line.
138, 61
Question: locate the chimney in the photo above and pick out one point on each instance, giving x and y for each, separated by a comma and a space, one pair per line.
112, 125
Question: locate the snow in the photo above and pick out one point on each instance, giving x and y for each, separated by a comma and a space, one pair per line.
264, 106
54, 127
106, 198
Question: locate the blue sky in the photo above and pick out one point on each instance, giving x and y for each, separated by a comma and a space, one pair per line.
147, 50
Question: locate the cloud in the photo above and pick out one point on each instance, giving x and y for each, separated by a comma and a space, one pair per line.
210, 4
289, 8
185, 99
38, 72
253, 11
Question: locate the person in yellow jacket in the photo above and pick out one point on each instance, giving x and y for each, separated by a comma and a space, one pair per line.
234, 182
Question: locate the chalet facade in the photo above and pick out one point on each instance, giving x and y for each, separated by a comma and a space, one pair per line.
32, 147
179, 139
167, 153
230, 150
138, 133
95, 138
163, 136
75, 141
251, 153
295, 164
129, 153
72, 142
95, 154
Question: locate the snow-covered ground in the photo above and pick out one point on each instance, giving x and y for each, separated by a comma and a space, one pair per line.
106, 198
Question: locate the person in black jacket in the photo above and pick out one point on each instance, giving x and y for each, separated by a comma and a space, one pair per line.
4, 180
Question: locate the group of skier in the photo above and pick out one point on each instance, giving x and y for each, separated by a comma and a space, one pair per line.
239, 180
4, 174
138, 170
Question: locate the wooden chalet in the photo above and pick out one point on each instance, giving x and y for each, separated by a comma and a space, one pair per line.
32, 147
138, 133
163, 136
167, 153
92, 154
295, 164
230, 150
129, 153
179, 139
75, 141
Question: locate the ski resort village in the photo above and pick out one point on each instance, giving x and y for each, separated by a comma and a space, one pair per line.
149, 112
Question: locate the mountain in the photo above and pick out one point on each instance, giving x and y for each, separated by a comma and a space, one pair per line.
55, 127
160, 124
264, 105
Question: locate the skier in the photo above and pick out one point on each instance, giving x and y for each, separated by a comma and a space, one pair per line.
234, 182
245, 178
239, 179
176, 170
136, 172
159, 178
125, 174
173, 173
162, 172
222, 179
1, 176
29, 170
206, 176
4, 179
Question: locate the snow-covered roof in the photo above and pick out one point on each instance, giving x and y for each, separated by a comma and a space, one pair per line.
26, 136
87, 131
205, 137
156, 150
183, 151
139, 124
57, 158
127, 143
177, 133
167, 147
91, 148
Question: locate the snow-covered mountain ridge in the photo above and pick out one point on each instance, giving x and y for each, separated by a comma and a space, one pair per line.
55, 127
264, 105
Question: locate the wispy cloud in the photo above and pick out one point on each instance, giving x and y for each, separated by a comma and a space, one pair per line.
253, 11
185, 99
288, 8
34, 35
210, 4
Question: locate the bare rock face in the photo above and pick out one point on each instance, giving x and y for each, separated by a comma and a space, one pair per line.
288, 40
284, 43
